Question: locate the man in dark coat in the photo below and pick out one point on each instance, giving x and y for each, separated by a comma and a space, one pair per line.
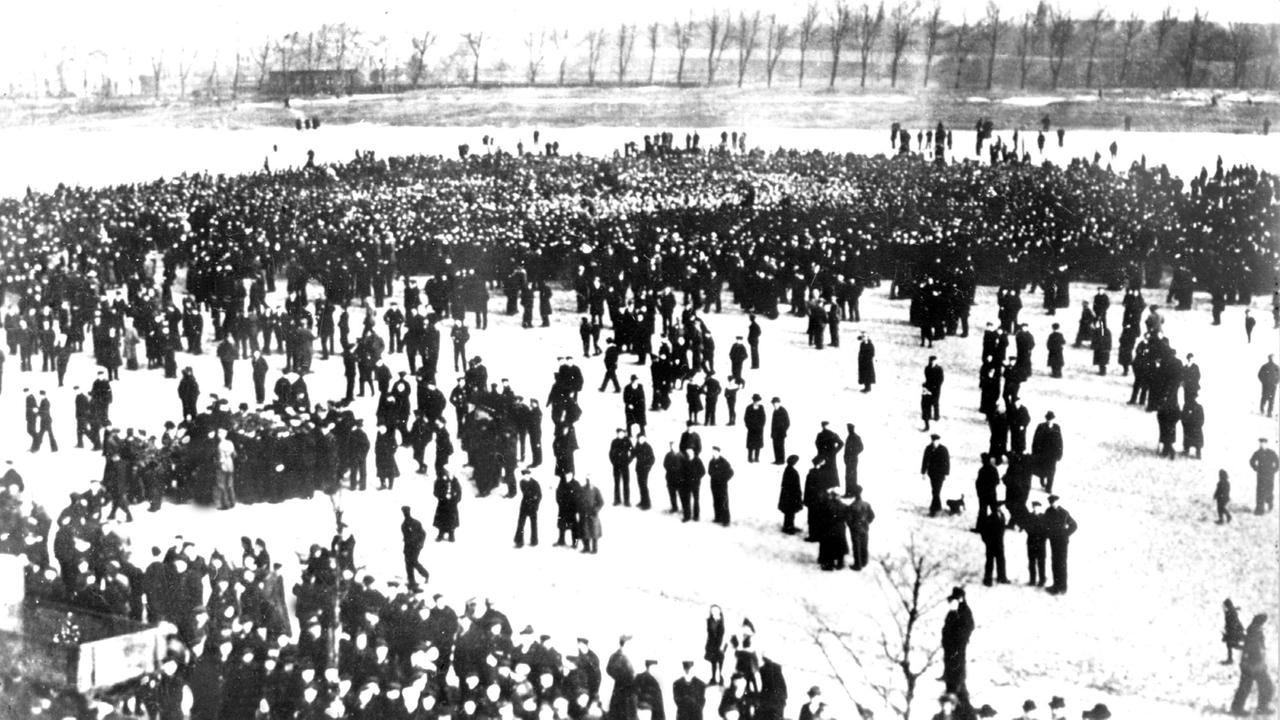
259, 378
1265, 464
643, 453
620, 459
691, 472
1269, 378
633, 404
227, 355
719, 472
754, 418
866, 363
779, 424
188, 393
414, 537
1033, 524
567, 509
933, 379
991, 528
1055, 344
1059, 526
772, 700
1046, 451
689, 694
649, 692
622, 703
859, 517
852, 449
672, 470
790, 496
935, 466
530, 500
956, 631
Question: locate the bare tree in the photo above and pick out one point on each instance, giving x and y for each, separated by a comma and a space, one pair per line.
211, 83
1130, 31
1188, 60
1241, 51
653, 48
595, 50
417, 61
914, 586
535, 47
684, 41
748, 34
262, 58
1061, 31
868, 31
235, 78
157, 71
285, 49
778, 37
1096, 24
902, 22
718, 30
1273, 50
1164, 28
993, 27
960, 47
185, 64
932, 31
626, 43
841, 25
474, 41
1030, 35
344, 38
808, 27
561, 42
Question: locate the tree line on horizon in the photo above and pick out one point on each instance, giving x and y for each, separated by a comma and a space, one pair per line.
833, 44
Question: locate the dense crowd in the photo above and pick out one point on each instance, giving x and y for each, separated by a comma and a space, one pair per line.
647, 241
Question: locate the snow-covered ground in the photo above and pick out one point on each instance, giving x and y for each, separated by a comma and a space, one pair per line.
1139, 630
41, 157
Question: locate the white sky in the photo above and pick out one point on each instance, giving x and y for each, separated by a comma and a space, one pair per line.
36, 32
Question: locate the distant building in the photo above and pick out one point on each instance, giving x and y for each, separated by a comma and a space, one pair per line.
311, 82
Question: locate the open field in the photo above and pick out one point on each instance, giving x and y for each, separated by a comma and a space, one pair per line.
666, 107
1138, 631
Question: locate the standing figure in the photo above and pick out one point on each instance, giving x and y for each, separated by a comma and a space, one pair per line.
530, 500
414, 538
935, 466
866, 363
1265, 464
1059, 527
714, 651
957, 628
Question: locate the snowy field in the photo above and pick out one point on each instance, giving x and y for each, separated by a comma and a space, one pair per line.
1139, 629
42, 157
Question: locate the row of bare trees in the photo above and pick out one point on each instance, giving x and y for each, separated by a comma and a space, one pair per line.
1045, 46
1168, 51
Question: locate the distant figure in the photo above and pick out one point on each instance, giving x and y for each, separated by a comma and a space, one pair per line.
1222, 496
414, 537
1232, 629
1253, 669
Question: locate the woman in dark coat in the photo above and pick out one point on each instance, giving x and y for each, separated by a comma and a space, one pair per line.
866, 363
448, 492
791, 497
714, 652
384, 449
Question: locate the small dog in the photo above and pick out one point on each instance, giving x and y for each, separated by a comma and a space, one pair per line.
955, 507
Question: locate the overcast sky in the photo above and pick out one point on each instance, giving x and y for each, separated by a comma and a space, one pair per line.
137, 28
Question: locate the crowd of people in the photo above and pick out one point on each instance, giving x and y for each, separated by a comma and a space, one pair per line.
648, 242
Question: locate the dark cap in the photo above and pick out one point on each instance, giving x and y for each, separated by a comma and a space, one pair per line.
957, 593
